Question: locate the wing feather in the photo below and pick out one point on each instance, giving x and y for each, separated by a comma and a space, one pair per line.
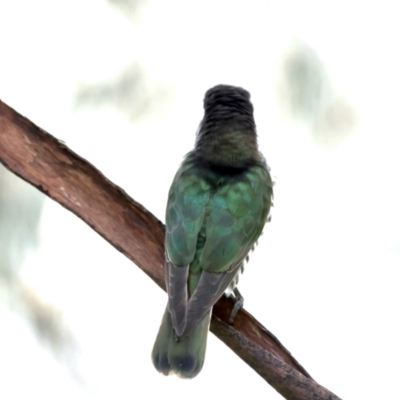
229, 218
210, 288
187, 200
176, 282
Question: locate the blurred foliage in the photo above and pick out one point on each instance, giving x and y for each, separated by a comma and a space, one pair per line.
48, 323
307, 82
128, 7
313, 99
129, 92
20, 211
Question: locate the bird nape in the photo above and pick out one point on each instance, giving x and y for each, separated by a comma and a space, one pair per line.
217, 206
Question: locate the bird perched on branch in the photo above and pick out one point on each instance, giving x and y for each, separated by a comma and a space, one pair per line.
218, 204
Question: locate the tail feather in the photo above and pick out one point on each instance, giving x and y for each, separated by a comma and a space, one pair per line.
185, 357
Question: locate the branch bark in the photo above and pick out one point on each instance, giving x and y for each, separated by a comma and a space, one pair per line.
49, 165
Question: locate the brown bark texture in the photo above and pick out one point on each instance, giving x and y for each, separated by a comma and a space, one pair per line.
50, 166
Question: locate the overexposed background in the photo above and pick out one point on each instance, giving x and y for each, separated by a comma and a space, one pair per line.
122, 83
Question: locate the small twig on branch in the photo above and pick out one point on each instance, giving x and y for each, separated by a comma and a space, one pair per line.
50, 166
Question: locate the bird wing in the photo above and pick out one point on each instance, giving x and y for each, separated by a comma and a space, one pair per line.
236, 218
187, 201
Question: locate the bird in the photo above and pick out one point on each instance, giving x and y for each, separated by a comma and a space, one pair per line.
218, 204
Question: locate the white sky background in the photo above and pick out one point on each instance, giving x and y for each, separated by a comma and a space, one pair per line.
324, 278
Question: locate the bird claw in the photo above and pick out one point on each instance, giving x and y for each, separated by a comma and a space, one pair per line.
239, 301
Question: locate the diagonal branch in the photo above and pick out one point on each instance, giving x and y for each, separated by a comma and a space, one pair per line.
49, 165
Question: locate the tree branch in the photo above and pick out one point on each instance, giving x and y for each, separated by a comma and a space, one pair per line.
46, 163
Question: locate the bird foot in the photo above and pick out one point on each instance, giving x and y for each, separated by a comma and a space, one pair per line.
239, 301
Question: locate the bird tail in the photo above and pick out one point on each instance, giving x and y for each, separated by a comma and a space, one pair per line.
185, 357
